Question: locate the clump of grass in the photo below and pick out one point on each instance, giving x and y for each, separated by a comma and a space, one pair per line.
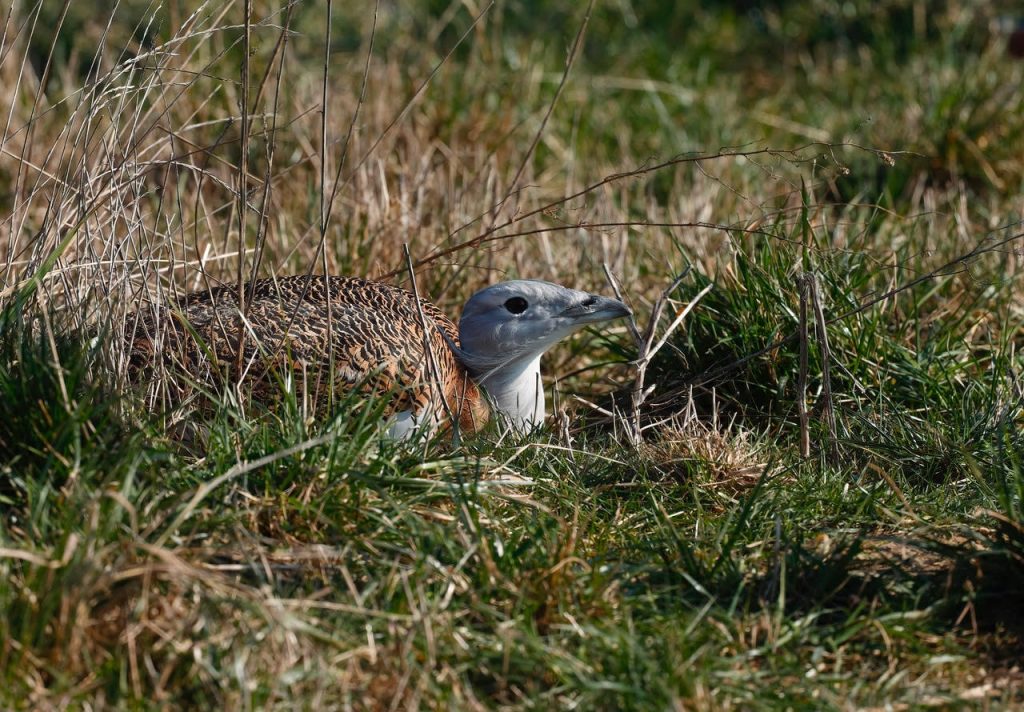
57, 419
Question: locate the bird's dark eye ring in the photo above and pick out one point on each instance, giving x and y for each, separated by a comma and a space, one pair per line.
516, 305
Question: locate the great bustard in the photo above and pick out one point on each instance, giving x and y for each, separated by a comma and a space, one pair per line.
379, 338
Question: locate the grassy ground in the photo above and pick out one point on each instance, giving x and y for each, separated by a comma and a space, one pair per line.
843, 182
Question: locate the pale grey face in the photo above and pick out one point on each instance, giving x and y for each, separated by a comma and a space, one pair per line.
510, 320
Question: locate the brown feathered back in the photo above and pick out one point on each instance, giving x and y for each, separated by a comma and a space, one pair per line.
372, 333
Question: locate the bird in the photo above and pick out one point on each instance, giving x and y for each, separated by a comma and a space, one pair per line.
337, 334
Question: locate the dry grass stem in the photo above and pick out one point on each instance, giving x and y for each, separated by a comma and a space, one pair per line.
801, 383
648, 345
821, 331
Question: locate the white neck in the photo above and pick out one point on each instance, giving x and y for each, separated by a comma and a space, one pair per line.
516, 391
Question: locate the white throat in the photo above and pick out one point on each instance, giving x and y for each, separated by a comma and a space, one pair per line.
516, 391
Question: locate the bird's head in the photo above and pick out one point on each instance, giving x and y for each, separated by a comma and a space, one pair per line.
521, 319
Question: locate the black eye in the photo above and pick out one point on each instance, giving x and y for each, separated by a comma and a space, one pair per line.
516, 305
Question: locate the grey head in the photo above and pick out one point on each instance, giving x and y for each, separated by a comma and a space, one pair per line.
504, 330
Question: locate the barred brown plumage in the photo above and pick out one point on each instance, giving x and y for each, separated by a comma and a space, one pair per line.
354, 332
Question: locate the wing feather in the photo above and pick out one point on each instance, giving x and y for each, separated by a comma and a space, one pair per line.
351, 332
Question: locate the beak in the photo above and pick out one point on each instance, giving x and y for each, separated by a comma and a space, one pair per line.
595, 308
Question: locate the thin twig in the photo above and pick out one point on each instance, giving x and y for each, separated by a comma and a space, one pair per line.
801, 379
528, 156
428, 351
28, 143
243, 188
412, 101
679, 319
280, 50
614, 282
648, 345
355, 114
489, 234
821, 331
324, 95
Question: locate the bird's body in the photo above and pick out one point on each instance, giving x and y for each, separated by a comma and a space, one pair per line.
329, 335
